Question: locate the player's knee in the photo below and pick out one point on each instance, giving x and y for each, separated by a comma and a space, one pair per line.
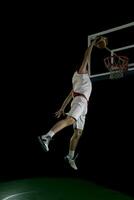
78, 133
70, 120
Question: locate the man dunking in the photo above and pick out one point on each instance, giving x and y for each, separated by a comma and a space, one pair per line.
79, 97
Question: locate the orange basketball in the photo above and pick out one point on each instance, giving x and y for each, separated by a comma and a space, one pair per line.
102, 43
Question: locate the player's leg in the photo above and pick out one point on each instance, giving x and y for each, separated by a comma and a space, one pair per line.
45, 139
72, 116
74, 142
62, 124
78, 130
72, 148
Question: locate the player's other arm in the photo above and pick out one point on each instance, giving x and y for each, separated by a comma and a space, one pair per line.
65, 103
67, 100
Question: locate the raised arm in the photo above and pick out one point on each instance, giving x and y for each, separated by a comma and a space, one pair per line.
65, 103
86, 60
99, 42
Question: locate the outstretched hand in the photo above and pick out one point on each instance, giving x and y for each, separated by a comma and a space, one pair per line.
94, 41
59, 113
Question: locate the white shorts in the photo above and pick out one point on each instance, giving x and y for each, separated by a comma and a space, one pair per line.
78, 111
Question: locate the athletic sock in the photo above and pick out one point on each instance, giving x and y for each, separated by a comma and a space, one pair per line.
49, 134
71, 154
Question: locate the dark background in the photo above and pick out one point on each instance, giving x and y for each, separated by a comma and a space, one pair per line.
43, 50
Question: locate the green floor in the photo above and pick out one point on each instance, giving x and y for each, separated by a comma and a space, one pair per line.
56, 189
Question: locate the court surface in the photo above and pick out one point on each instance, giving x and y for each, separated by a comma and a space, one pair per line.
56, 189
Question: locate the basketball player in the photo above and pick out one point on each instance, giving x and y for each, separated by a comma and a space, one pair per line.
79, 97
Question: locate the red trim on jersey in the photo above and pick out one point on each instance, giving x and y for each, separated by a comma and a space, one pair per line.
75, 94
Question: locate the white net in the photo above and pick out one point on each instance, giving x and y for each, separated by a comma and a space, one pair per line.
116, 73
116, 65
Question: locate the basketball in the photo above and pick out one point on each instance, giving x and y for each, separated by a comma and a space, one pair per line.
101, 43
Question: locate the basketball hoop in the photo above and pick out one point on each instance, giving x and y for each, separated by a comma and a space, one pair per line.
116, 65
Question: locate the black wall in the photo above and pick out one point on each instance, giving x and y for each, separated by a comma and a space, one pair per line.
43, 61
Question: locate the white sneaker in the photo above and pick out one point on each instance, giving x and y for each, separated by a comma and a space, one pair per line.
71, 162
44, 142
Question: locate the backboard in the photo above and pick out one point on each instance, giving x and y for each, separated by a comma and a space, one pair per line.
120, 42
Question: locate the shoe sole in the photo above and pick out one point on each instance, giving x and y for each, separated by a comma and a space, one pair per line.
42, 144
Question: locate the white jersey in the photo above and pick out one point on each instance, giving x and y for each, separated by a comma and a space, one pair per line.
82, 84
